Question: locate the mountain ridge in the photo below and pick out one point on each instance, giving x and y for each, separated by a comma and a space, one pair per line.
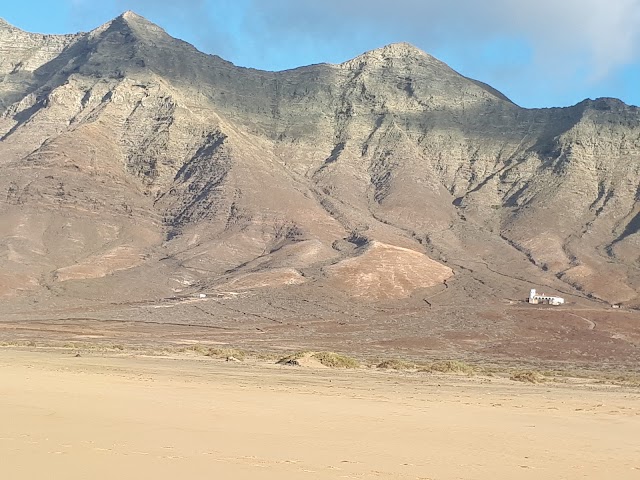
153, 160
397, 48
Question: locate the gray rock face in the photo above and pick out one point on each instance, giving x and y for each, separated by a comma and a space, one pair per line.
136, 166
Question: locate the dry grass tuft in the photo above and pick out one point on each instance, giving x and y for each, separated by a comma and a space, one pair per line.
449, 366
226, 353
328, 359
221, 353
627, 380
197, 348
336, 360
293, 358
528, 376
395, 364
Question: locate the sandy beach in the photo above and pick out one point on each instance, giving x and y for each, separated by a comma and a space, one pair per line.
105, 417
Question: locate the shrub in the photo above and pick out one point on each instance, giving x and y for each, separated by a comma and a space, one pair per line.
226, 353
395, 364
293, 358
449, 366
627, 380
528, 376
328, 359
335, 360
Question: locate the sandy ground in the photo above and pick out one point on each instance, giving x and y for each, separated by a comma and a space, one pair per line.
125, 417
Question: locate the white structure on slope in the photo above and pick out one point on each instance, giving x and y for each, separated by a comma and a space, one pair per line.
536, 298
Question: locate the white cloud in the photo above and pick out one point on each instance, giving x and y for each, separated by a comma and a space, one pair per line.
607, 32
568, 38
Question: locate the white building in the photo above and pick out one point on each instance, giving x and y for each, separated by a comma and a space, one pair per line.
536, 298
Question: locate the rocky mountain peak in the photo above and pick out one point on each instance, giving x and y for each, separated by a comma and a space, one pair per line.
404, 52
6, 29
132, 16
133, 25
605, 103
5, 24
22, 52
400, 50
138, 22
426, 77
14, 32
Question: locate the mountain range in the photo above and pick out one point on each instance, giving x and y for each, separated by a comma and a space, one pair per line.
137, 169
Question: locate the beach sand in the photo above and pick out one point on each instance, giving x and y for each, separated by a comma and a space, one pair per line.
110, 417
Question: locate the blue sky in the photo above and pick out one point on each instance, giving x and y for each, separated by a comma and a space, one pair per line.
539, 53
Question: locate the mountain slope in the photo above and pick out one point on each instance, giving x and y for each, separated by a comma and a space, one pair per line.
137, 167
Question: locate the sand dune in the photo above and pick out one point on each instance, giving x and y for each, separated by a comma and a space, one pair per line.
101, 417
